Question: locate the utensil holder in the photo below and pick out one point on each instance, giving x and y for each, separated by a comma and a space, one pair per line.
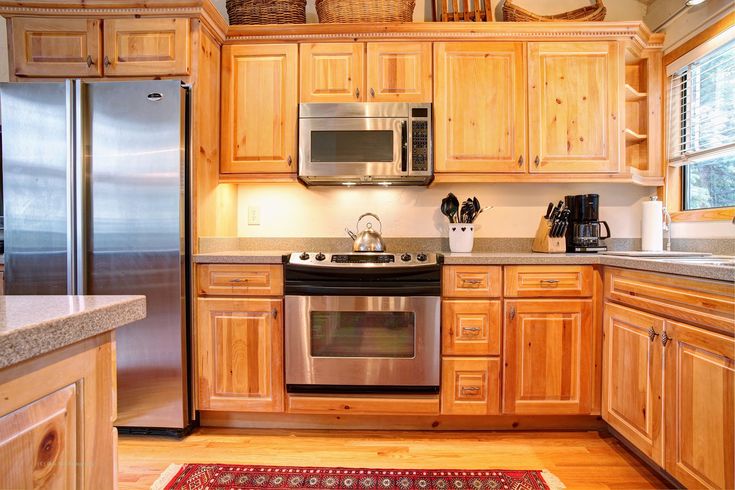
461, 237
544, 243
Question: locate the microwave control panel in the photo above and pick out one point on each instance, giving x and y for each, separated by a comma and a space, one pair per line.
420, 139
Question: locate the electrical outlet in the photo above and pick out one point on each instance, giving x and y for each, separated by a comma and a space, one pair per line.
253, 215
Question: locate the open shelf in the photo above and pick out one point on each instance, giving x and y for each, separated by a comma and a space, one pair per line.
632, 95
631, 137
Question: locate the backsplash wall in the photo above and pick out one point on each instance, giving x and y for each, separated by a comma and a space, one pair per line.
292, 210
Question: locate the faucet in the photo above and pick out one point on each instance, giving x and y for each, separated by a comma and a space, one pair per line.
667, 229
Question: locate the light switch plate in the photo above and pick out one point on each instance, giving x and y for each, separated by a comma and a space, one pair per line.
253, 215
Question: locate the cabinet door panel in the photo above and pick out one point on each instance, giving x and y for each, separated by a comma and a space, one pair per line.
548, 357
480, 110
573, 107
332, 72
146, 47
56, 47
240, 355
471, 327
399, 72
259, 80
700, 407
632, 371
470, 386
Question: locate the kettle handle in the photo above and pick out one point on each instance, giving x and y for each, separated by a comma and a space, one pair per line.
357, 226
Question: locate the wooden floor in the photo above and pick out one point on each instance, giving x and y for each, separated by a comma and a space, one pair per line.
588, 460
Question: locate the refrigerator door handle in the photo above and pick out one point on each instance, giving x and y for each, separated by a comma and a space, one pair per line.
81, 215
71, 198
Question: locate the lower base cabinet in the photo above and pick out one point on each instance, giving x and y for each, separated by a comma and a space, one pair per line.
239, 344
470, 386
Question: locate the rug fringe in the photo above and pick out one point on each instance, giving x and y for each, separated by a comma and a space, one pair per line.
552, 480
166, 476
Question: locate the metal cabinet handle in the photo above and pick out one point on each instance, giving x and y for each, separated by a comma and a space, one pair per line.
275, 313
238, 280
472, 281
357, 93
520, 161
652, 333
372, 92
90, 61
537, 161
470, 329
471, 389
106, 62
512, 312
289, 160
550, 282
665, 338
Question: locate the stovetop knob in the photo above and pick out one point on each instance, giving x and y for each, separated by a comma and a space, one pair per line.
304, 256
320, 256
421, 257
406, 257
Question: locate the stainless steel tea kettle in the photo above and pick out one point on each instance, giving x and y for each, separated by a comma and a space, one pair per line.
367, 240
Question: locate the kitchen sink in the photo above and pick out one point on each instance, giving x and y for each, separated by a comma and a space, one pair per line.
720, 261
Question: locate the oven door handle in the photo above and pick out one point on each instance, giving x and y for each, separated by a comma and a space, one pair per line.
404, 147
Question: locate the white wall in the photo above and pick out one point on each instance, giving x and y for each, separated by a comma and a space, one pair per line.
292, 210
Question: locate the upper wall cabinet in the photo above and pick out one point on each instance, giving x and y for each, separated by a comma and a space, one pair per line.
56, 47
338, 72
142, 47
332, 72
573, 98
479, 107
259, 108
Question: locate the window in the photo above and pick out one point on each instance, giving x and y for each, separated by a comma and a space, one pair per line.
701, 127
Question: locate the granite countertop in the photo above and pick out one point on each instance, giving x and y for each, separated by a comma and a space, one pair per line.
34, 325
721, 273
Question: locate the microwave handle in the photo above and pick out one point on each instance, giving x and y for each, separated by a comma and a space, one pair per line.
404, 147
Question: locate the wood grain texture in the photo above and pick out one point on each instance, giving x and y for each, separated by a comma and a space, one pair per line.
574, 107
632, 391
472, 281
55, 47
399, 72
263, 80
471, 327
581, 460
702, 302
239, 354
699, 414
239, 280
470, 386
363, 404
547, 357
146, 47
332, 72
548, 281
480, 107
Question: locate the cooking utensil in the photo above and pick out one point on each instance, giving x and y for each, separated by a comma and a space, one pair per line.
446, 208
549, 210
453, 207
367, 240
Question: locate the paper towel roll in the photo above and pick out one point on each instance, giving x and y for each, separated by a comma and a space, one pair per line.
652, 226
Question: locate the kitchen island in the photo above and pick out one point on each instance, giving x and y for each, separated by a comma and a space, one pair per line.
58, 389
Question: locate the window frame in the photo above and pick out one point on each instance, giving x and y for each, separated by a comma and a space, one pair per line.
673, 190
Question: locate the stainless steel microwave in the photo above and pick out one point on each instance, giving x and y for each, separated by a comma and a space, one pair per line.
365, 144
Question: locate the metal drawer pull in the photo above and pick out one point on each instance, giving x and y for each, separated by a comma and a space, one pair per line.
652, 333
549, 282
471, 389
471, 329
472, 281
238, 280
665, 338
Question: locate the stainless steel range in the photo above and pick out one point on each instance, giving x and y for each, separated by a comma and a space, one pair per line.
363, 322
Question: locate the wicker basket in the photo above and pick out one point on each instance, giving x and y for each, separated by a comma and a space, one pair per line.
333, 11
514, 13
266, 11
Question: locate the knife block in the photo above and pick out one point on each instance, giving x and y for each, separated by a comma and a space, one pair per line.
544, 243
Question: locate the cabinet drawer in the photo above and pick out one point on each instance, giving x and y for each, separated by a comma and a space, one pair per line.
240, 280
555, 281
470, 386
698, 301
471, 281
471, 328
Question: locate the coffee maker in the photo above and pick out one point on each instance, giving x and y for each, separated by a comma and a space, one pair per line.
584, 233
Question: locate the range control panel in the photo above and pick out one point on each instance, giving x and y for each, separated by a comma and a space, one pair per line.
364, 259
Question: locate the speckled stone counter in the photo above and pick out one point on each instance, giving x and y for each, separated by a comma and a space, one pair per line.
242, 257
34, 325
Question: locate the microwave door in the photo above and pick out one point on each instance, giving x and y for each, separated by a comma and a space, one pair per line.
354, 147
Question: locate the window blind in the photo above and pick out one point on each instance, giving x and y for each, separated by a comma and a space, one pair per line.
701, 124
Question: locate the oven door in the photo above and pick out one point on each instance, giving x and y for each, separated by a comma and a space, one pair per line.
362, 343
353, 148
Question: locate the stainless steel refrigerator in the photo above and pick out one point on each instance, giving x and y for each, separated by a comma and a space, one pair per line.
95, 179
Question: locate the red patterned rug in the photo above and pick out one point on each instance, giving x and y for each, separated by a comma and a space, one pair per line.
233, 477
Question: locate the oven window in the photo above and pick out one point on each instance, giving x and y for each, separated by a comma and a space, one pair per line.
351, 146
363, 334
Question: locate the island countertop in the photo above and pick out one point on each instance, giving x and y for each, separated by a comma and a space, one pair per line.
31, 326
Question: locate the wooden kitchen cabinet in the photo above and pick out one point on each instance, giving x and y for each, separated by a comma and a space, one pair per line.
240, 280
471, 327
548, 281
548, 357
574, 107
399, 72
480, 107
332, 72
699, 413
470, 386
472, 281
259, 108
239, 354
146, 47
56, 47
632, 377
